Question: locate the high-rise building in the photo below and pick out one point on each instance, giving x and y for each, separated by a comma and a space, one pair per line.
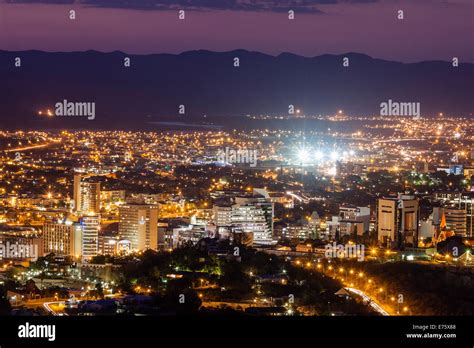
108, 244
222, 215
456, 221
138, 223
62, 238
354, 220
90, 225
460, 201
86, 195
397, 221
254, 215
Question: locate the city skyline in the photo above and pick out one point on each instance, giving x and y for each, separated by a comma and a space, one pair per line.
187, 171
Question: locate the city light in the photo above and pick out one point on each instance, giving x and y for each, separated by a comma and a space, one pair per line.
303, 156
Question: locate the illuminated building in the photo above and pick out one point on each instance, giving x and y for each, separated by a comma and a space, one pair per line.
253, 215
112, 197
397, 221
461, 201
108, 244
249, 214
90, 226
354, 220
62, 238
86, 195
276, 197
138, 223
456, 220
222, 216
298, 231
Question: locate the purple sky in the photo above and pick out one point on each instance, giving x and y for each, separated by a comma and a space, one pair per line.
432, 29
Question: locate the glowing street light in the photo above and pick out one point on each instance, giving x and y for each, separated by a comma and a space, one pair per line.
303, 155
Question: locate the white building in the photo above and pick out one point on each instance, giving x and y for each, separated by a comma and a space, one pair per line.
90, 225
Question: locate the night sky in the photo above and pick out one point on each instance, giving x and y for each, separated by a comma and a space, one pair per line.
431, 30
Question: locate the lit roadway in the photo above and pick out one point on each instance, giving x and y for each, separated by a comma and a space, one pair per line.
47, 306
26, 148
369, 300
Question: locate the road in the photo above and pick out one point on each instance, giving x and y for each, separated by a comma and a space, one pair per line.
55, 312
369, 300
26, 148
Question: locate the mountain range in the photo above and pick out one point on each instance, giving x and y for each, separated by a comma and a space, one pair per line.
208, 83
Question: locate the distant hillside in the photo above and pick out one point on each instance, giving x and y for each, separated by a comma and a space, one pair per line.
208, 83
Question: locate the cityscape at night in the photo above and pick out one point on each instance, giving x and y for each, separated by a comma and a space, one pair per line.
82, 211
177, 170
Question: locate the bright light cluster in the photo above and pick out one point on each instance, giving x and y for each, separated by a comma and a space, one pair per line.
308, 156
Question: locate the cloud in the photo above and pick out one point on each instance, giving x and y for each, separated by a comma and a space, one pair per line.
305, 6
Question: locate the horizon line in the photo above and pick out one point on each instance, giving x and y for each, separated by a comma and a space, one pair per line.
283, 53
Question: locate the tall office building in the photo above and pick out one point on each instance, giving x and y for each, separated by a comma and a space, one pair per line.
90, 225
62, 238
138, 223
456, 221
222, 217
86, 195
354, 220
254, 214
461, 201
397, 221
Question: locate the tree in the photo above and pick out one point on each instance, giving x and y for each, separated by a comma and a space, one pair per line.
5, 307
99, 290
